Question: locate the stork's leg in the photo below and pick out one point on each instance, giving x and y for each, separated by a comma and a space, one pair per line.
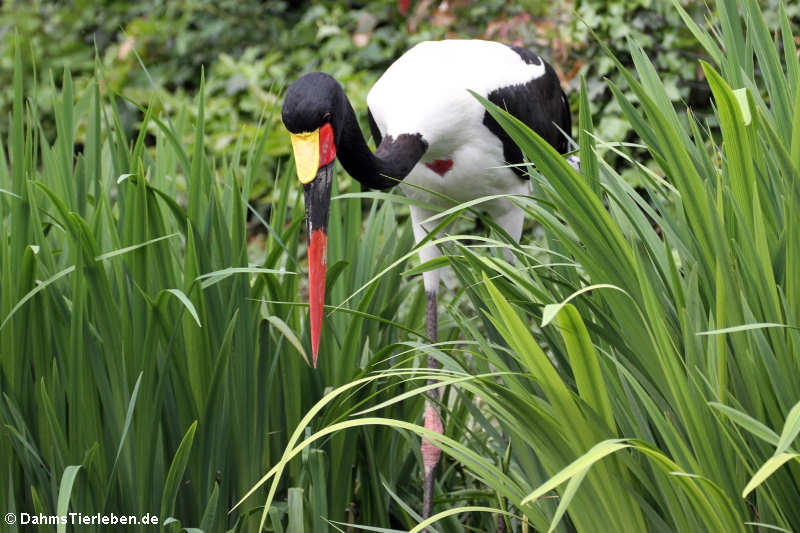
510, 217
433, 420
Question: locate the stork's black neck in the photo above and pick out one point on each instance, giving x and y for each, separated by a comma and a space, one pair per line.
392, 161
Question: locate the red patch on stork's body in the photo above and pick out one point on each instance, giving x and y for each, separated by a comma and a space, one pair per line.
440, 166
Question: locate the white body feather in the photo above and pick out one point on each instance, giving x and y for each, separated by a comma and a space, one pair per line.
426, 91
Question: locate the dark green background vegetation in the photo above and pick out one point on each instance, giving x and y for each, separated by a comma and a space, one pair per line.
251, 49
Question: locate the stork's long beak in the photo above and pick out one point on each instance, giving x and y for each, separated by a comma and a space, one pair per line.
314, 155
318, 202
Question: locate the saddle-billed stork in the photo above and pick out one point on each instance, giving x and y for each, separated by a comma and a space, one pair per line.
432, 133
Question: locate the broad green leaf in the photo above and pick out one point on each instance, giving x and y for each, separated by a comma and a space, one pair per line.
585, 461
126, 426
212, 278
767, 469
296, 522
318, 500
457, 510
176, 471
767, 526
566, 498
210, 514
40, 287
743, 327
551, 310
432, 264
586, 141
64, 494
360, 527
585, 366
286, 331
747, 422
187, 303
744, 105
13, 195
790, 429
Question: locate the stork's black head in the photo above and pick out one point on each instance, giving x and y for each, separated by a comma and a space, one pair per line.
312, 111
312, 101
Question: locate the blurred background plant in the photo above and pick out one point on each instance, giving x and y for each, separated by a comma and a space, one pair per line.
251, 48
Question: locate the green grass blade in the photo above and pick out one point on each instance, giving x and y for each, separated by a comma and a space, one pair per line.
176, 472
566, 498
748, 423
598, 452
186, 302
585, 365
790, 430
767, 469
551, 310
64, 493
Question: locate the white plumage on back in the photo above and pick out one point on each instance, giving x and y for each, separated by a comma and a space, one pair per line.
426, 90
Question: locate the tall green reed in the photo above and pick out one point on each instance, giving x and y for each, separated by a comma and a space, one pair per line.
680, 337
146, 366
635, 370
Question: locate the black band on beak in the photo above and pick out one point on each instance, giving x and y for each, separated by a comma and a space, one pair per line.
318, 199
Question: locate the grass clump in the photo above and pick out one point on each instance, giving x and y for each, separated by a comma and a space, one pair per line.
639, 370
146, 366
657, 391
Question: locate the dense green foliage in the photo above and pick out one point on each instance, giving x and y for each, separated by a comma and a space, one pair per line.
250, 49
633, 371
143, 352
641, 357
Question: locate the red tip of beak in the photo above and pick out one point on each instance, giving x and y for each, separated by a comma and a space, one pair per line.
317, 253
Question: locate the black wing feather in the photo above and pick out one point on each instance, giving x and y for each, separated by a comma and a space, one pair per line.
541, 104
373, 128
